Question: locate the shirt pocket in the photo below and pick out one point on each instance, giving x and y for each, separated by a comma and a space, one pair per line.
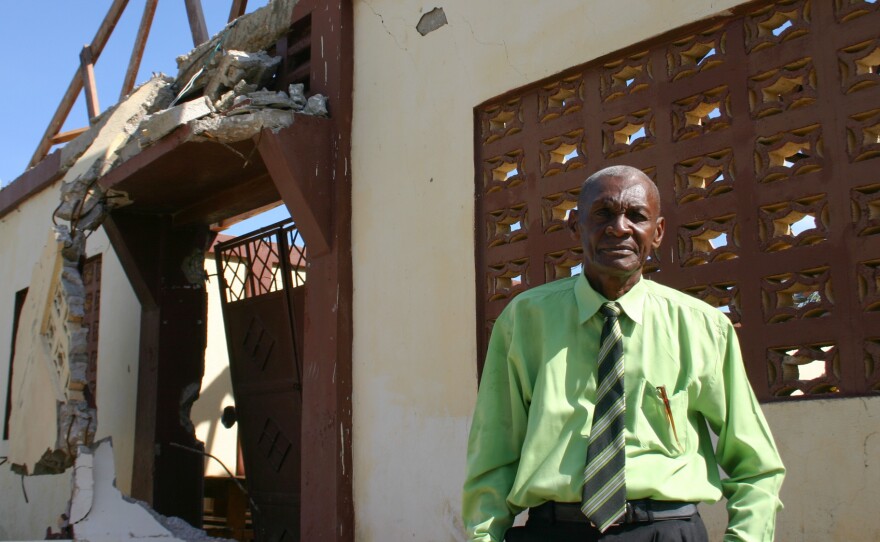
662, 425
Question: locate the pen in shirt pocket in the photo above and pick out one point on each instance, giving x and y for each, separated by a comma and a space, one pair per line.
665, 398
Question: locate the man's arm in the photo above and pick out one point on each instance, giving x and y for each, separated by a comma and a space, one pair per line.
496, 438
745, 450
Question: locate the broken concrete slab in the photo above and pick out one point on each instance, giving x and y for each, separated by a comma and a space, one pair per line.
236, 66
256, 31
158, 125
83, 488
240, 127
263, 99
99, 512
113, 130
149, 97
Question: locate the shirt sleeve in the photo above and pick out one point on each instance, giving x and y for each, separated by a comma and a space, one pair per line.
495, 442
745, 450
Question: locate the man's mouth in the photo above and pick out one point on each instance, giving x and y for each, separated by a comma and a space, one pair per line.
620, 249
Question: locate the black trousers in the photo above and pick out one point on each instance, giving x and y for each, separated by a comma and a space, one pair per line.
673, 530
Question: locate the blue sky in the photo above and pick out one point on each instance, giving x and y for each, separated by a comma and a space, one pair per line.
42, 39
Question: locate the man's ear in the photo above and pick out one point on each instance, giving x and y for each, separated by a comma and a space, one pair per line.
658, 233
572, 223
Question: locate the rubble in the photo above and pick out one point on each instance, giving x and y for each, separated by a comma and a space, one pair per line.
80, 203
255, 101
316, 106
241, 115
152, 96
237, 66
156, 126
233, 83
239, 127
251, 33
100, 512
297, 93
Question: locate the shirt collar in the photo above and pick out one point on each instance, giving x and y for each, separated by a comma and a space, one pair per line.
589, 300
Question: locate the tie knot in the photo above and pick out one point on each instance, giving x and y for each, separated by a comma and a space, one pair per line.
610, 310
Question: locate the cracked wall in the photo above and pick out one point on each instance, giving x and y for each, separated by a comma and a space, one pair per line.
413, 214
50, 417
31, 504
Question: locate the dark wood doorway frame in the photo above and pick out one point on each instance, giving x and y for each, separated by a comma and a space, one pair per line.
179, 188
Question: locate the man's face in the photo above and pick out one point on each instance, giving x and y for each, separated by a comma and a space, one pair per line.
619, 225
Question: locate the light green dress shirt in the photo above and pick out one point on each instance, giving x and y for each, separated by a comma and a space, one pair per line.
528, 442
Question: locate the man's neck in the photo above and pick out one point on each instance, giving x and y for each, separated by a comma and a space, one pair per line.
614, 287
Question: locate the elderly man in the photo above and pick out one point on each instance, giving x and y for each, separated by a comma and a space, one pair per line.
599, 392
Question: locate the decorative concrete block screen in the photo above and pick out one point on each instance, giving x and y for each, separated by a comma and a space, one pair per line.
762, 132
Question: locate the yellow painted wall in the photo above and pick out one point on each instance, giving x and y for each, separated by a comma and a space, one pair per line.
414, 382
26, 507
22, 236
118, 342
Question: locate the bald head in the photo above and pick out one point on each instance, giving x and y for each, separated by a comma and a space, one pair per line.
622, 172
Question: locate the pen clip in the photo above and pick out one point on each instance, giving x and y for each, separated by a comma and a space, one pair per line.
665, 398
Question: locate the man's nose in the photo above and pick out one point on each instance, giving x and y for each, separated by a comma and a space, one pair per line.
619, 226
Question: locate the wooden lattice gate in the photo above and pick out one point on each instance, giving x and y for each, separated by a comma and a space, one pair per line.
262, 286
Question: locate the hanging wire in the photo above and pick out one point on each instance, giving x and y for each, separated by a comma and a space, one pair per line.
228, 472
24, 491
205, 64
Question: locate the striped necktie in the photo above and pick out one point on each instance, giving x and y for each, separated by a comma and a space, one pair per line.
604, 496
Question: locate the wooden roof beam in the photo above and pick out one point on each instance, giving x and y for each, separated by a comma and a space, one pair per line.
137, 51
196, 21
76, 85
238, 9
87, 67
69, 135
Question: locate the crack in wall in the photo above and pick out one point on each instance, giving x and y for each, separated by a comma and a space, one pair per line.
503, 44
387, 31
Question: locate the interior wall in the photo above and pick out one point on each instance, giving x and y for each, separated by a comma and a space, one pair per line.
414, 369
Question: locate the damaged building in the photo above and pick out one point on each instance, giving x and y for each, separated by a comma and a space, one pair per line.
217, 135
428, 155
